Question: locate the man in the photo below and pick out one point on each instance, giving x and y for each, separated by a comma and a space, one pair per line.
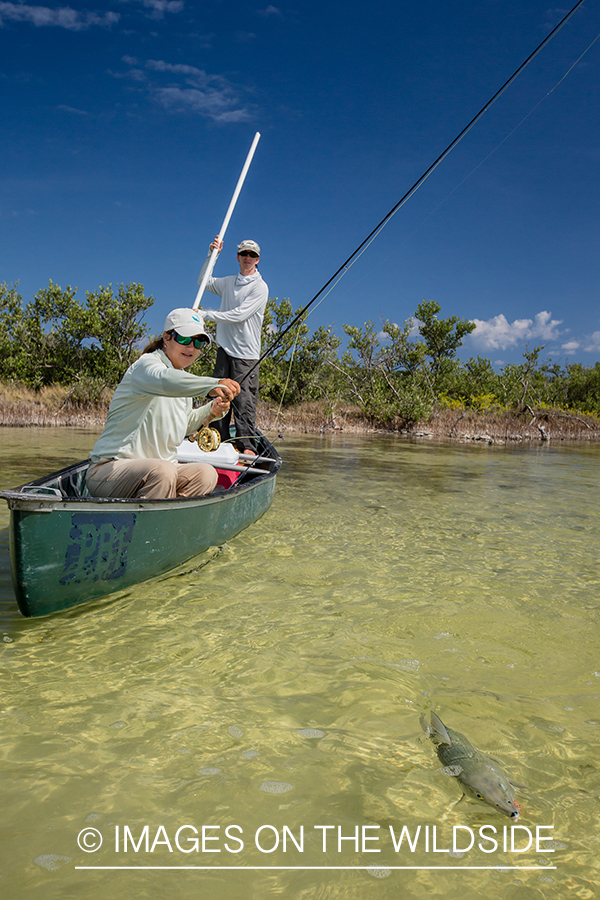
239, 326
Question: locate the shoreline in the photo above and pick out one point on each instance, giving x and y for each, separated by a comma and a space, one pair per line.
460, 425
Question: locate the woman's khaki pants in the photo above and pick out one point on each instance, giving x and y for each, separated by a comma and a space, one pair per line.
150, 479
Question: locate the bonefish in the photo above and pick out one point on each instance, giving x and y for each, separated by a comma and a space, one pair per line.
479, 774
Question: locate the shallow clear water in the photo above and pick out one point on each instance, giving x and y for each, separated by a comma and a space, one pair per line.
279, 681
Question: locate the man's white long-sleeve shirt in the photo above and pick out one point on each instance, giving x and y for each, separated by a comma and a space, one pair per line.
240, 317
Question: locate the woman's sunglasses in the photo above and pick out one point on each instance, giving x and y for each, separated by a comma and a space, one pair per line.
248, 253
199, 342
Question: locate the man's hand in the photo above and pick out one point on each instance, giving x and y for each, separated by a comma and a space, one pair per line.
216, 244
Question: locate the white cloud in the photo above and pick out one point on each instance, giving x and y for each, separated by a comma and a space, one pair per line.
72, 109
570, 346
244, 37
132, 74
212, 103
592, 344
499, 334
193, 90
158, 65
158, 8
17, 213
270, 11
203, 40
62, 17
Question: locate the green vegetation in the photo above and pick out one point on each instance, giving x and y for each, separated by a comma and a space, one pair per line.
393, 374
55, 339
407, 373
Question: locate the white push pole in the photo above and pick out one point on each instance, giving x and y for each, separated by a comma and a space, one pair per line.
236, 193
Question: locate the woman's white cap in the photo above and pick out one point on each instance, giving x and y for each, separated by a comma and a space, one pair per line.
187, 322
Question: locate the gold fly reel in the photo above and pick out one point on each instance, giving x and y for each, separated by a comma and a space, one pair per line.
208, 439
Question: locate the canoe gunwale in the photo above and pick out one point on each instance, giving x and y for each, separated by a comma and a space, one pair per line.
17, 499
22, 498
68, 549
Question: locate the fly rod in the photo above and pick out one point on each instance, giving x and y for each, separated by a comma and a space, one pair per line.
228, 214
416, 185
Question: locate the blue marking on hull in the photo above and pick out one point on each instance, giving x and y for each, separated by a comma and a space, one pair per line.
98, 551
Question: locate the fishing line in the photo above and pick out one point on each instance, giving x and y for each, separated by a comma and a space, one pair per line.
287, 381
479, 164
376, 231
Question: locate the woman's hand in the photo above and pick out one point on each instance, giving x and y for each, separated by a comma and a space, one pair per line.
216, 244
219, 407
226, 388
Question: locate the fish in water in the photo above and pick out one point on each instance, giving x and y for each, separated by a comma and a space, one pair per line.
479, 774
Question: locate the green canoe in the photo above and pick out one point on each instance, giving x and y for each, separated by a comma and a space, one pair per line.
67, 548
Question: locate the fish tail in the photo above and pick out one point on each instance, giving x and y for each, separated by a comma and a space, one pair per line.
438, 731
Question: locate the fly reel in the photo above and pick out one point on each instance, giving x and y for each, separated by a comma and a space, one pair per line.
208, 439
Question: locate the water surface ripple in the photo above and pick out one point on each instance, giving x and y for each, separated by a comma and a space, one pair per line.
279, 681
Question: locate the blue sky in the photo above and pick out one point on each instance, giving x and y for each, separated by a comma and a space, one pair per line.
126, 123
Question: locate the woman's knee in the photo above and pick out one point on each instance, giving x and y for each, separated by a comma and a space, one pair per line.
160, 480
196, 479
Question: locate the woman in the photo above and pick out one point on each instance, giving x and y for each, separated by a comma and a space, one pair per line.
151, 413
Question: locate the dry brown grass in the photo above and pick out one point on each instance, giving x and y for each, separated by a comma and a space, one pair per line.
504, 426
492, 427
20, 406
313, 417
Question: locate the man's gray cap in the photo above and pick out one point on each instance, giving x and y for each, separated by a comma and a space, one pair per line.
249, 245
